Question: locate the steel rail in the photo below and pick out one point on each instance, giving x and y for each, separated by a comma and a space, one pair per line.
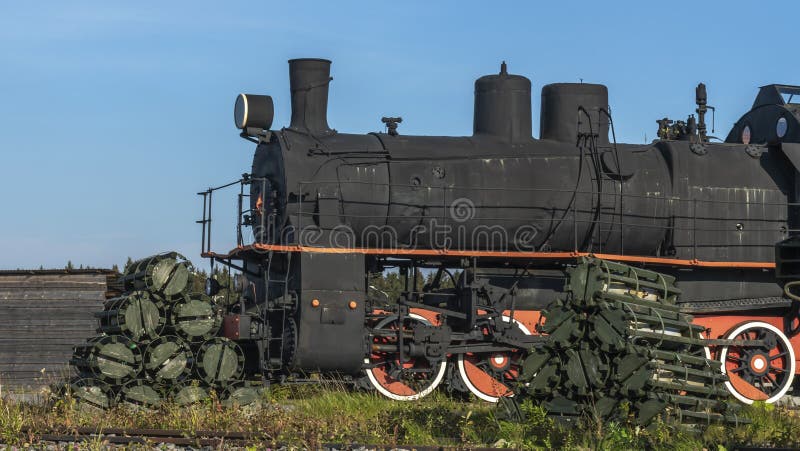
204, 438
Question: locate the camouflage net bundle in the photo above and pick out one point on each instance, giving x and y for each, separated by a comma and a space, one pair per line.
159, 341
169, 273
618, 346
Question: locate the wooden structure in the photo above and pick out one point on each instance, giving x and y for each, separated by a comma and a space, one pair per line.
43, 314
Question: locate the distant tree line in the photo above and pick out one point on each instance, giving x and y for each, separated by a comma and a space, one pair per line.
71, 266
388, 285
391, 284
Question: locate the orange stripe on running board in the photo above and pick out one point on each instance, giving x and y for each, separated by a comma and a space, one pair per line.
500, 254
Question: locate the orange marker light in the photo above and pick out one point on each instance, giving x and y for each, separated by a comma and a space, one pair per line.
315, 302
353, 305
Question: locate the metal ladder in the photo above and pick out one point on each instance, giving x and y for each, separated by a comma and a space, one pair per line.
276, 338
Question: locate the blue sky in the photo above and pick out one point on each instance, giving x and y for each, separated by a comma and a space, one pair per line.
114, 114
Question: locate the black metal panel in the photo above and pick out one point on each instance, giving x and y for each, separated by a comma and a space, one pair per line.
365, 185
330, 333
699, 285
305, 170
409, 196
524, 289
634, 207
729, 205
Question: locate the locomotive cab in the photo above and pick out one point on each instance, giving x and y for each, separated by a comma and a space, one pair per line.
774, 117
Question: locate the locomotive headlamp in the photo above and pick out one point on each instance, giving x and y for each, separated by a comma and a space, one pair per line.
253, 111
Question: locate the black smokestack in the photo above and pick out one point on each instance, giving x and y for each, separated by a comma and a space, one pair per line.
308, 81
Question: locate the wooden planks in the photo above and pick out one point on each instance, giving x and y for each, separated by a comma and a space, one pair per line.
43, 314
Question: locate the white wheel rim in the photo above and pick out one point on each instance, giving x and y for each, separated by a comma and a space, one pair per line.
421, 394
462, 371
785, 341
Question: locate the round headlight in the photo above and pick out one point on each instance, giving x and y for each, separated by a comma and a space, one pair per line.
253, 111
781, 127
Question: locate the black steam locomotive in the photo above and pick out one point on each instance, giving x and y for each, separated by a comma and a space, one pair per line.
498, 218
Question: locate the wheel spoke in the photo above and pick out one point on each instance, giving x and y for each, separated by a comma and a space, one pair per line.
773, 357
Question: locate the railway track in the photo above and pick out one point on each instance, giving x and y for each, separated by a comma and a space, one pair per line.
122, 436
205, 439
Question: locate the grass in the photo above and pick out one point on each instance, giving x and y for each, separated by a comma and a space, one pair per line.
308, 416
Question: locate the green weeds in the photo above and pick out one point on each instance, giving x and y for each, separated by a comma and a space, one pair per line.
308, 416
12, 418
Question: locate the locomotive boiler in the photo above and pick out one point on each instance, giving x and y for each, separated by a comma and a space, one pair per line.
500, 219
